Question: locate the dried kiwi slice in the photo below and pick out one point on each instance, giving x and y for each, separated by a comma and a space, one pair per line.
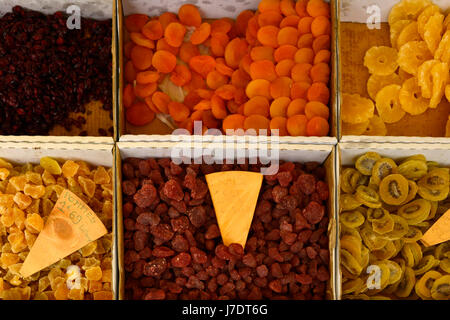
400, 228
349, 231
365, 256
384, 280
445, 265
372, 240
394, 189
368, 197
376, 214
387, 252
349, 202
441, 288
412, 253
433, 195
406, 283
425, 265
412, 191
416, 211
352, 286
436, 179
414, 234
425, 284
352, 245
365, 163
349, 178
413, 169
383, 168
434, 209
441, 250
352, 219
396, 271
350, 264
383, 225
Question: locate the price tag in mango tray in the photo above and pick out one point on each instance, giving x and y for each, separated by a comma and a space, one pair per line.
70, 226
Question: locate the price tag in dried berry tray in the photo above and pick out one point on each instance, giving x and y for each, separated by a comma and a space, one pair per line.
70, 226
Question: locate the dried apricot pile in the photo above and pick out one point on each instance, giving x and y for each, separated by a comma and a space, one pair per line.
385, 208
266, 70
27, 196
409, 77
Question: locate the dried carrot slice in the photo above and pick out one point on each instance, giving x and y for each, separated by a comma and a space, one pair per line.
300, 72
218, 108
128, 96
188, 51
144, 90
258, 123
141, 57
320, 26
242, 22
161, 101
319, 92
288, 35
189, 15
130, 72
135, 22
284, 67
317, 8
167, 18
259, 87
320, 73
153, 30
296, 125
240, 79
281, 87
269, 18
163, 45
268, 36
233, 122
181, 75
235, 51
317, 126
164, 61
215, 79
223, 25
279, 106
278, 123
219, 42
174, 34
201, 34
257, 105
142, 41
269, 5
263, 69
305, 41
283, 52
178, 111
262, 53
202, 65
296, 106
316, 109
304, 25
146, 77
139, 114
226, 91
290, 21
300, 90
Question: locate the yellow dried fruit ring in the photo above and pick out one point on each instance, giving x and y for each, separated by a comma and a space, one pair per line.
424, 78
352, 286
349, 231
349, 202
413, 169
443, 51
406, 283
433, 30
409, 9
365, 163
400, 228
352, 245
356, 109
412, 192
354, 129
394, 189
416, 211
423, 18
395, 271
376, 83
352, 219
409, 33
383, 225
395, 29
382, 168
387, 252
440, 76
414, 234
441, 288
441, 250
436, 179
411, 99
425, 284
433, 195
445, 265
368, 197
381, 60
349, 180
376, 127
388, 104
412, 55
425, 265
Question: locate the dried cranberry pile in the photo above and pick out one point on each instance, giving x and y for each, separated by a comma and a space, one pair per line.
47, 70
173, 248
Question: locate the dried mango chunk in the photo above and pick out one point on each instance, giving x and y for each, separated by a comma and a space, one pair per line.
51, 165
381, 60
388, 104
356, 109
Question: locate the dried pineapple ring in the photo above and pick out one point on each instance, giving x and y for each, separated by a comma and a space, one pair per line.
440, 289
424, 265
376, 127
407, 9
352, 219
394, 189
416, 211
433, 31
381, 60
400, 228
424, 285
409, 33
404, 75
412, 54
396, 29
387, 252
356, 109
436, 179
425, 79
368, 197
372, 240
349, 202
350, 263
440, 74
388, 104
413, 169
354, 129
376, 83
382, 168
411, 99
423, 18
365, 163
443, 51
414, 234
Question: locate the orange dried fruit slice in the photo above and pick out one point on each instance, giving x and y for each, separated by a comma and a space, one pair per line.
408, 33
412, 54
411, 98
376, 83
433, 31
443, 51
407, 10
423, 18
376, 127
354, 129
356, 109
381, 60
396, 29
388, 104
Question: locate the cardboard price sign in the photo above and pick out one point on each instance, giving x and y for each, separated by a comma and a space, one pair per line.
70, 226
439, 232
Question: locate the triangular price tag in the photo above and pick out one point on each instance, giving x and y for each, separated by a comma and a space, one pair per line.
70, 226
234, 195
439, 232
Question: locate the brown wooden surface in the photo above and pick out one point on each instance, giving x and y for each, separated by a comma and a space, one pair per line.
355, 40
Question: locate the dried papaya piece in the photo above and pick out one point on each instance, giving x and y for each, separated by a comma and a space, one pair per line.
394, 189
